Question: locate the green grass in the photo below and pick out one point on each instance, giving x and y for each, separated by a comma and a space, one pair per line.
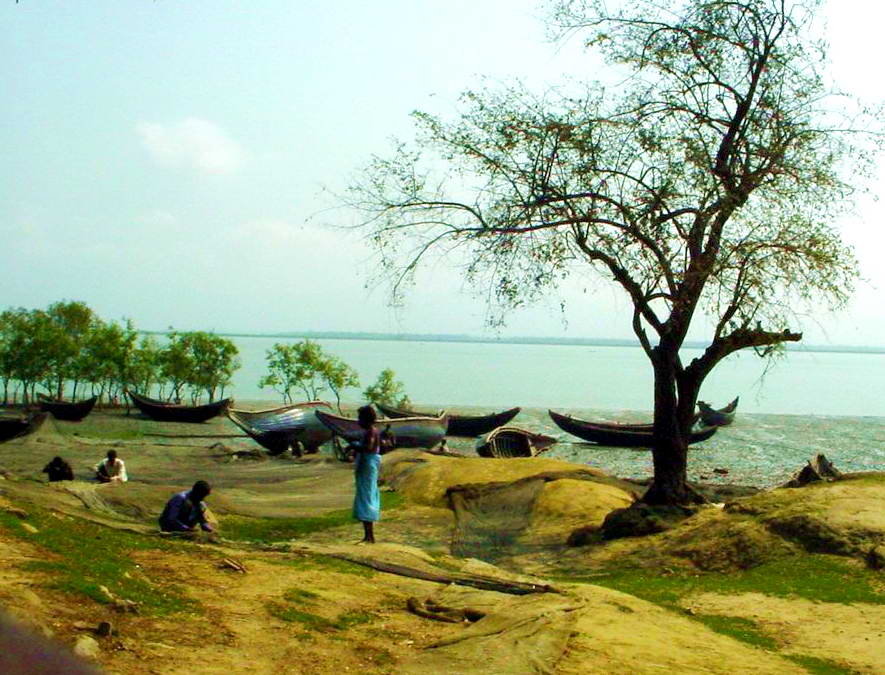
818, 577
820, 666
269, 530
327, 564
293, 611
740, 629
85, 556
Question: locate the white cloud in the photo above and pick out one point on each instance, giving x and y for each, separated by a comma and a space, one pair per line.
192, 143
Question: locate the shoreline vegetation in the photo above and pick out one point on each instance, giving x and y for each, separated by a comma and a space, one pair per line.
516, 340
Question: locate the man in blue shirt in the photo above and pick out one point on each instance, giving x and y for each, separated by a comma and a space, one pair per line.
185, 510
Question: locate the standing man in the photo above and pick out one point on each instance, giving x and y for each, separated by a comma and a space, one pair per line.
111, 469
185, 510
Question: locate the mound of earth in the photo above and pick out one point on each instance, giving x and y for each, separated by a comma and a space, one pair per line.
845, 517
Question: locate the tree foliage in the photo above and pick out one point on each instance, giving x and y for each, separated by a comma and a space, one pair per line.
306, 366
387, 390
707, 182
70, 352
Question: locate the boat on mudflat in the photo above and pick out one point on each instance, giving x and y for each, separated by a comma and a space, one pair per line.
69, 411
618, 435
161, 411
293, 426
459, 425
718, 418
20, 425
505, 442
408, 432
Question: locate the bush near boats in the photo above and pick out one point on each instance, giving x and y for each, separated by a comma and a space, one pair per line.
307, 367
68, 351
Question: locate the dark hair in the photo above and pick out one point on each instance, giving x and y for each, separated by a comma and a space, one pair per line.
112, 454
201, 488
366, 416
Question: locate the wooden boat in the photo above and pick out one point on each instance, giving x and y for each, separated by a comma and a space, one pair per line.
279, 429
174, 412
505, 442
20, 425
718, 418
408, 432
459, 425
67, 410
623, 436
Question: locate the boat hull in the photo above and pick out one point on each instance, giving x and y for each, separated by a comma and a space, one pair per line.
66, 410
609, 435
459, 425
173, 412
408, 432
507, 442
14, 427
285, 428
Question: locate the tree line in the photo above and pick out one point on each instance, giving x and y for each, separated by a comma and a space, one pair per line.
67, 351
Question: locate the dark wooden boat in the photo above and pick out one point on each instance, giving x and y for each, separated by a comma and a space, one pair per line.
408, 432
718, 418
174, 412
20, 425
67, 410
505, 442
459, 425
623, 435
291, 426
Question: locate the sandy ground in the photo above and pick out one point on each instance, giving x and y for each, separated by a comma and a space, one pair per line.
577, 628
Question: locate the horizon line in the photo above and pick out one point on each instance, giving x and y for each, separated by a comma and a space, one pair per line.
525, 339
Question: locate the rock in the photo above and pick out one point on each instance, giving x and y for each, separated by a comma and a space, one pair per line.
876, 558
818, 469
104, 629
641, 519
87, 647
721, 472
30, 528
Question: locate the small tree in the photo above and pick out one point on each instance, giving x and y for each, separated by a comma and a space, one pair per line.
305, 366
707, 181
386, 390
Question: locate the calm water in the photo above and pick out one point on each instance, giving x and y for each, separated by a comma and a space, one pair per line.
587, 377
808, 402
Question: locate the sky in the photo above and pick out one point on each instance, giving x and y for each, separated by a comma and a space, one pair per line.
173, 161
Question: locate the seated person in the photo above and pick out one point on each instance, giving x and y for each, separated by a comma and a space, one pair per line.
185, 510
111, 469
58, 469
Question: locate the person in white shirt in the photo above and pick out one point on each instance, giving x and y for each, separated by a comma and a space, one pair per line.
111, 469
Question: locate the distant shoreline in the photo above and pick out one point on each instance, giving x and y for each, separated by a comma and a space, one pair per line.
522, 340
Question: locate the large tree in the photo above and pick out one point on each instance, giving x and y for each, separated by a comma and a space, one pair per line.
705, 181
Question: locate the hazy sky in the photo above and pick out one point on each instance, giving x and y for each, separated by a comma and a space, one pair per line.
165, 160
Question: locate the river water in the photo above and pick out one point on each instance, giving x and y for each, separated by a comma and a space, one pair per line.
807, 402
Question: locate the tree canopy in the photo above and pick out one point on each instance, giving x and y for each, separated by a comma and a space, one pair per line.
306, 366
708, 181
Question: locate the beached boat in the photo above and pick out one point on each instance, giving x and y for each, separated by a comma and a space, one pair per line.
67, 410
506, 442
290, 426
162, 411
408, 432
718, 418
623, 435
20, 425
459, 425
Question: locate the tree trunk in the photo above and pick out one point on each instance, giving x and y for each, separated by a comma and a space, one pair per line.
672, 426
